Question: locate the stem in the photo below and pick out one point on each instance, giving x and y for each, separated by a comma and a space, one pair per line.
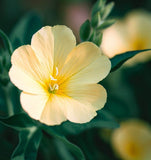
6, 42
9, 104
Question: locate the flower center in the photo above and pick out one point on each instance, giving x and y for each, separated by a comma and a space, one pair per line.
53, 86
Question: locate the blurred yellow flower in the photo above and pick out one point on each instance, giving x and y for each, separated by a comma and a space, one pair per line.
132, 141
131, 33
58, 78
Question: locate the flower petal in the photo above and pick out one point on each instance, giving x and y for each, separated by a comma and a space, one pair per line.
43, 44
24, 82
33, 104
94, 94
64, 42
78, 112
85, 64
27, 72
53, 44
60, 108
53, 113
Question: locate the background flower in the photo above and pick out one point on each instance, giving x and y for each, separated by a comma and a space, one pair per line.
130, 33
132, 141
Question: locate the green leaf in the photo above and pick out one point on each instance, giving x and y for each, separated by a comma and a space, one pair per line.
29, 140
9, 96
99, 5
23, 122
25, 28
5, 54
106, 24
95, 20
18, 121
97, 39
107, 10
118, 60
75, 150
63, 150
6, 41
4, 79
85, 30
102, 120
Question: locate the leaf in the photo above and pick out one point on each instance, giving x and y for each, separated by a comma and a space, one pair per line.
118, 60
18, 121
29, 140
85, 30
5, 53
102, 120
25, 28
106, 24
98, 39
22, 122
75, 150
107, 10
99, 5
6, 41
62, 150
95, 20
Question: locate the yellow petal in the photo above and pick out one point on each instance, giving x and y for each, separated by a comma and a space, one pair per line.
85, 64
53, 113
78, 112
60, 108
43, 44
94, 94
24, 82
64, 42
27, 71
53, 44
33, 104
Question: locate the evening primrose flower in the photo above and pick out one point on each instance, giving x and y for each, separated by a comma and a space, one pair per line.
131, 33
132, 141
58, 78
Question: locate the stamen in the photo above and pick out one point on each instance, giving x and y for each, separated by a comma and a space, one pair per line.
54, 88
57, 71
52, 78
51, 88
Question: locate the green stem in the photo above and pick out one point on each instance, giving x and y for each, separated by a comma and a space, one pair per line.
6, 41
9, 104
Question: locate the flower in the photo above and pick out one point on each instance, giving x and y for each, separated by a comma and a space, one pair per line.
132, 141
131, 33
58, 78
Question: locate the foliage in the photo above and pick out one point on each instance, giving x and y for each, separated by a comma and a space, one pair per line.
92, 30
31, 131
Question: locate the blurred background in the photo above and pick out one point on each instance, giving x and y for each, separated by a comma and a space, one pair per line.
69, 12
128, 88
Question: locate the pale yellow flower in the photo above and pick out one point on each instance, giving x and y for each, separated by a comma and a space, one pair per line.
130, 33
58, 78
132, 141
